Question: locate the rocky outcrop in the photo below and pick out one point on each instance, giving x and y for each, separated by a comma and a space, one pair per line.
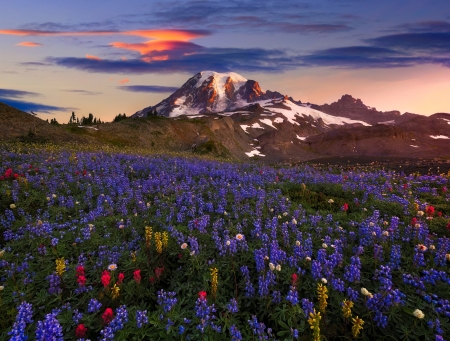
355, 109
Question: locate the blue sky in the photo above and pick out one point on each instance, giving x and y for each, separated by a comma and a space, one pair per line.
105, 59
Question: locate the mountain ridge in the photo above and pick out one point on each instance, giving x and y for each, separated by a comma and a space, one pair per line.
228, 115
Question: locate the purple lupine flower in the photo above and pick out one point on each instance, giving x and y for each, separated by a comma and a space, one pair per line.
141, 318
167, 300
49, 329
395, 257
24, 316
94, 306
54, 284
232, 306
307, 306
292, 295
258, 328
235, 333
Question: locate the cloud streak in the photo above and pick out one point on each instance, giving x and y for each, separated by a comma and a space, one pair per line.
84, 92
28, 44
266, 16
148, 88
182, 35
428, 42
219, 59
31, 106
11, 93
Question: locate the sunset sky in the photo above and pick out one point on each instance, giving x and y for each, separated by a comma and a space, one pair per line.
113, 57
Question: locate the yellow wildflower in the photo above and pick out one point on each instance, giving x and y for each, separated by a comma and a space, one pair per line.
322, 294
357, 326
314, 322
165, 239
347, 308
214, 281
60, 266
158, 242
115, 291
148, 235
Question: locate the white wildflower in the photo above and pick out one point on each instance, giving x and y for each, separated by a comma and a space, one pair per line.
419, 314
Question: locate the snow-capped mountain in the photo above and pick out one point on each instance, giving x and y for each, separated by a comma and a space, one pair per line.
277, 127
205, 92
210, 92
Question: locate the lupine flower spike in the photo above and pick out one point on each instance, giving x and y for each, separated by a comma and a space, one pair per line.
314, 322
322, 294
357, 326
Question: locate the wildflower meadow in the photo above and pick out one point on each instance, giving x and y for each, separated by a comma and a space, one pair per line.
111, 246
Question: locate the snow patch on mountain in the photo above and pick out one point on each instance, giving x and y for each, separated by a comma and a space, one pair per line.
268, 122
221, 79
254, 152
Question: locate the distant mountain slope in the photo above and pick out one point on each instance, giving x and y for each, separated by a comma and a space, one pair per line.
17, 125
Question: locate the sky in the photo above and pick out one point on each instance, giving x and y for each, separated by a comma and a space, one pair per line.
113, 57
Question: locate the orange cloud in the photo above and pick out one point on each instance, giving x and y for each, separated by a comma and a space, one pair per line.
89, 56
151, 46
28, 44
149, 59
157, 48
123, 81
178, 35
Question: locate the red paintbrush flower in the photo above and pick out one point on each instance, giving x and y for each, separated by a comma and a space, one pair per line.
80, 331
81, 280
80, 270
108, 316
137, 276
294, 278
106, 278
120, 278
159, 271
202, 295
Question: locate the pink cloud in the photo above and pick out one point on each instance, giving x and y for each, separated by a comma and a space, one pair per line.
89, 56
28, 44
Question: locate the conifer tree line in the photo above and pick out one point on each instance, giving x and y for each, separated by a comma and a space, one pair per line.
84, 120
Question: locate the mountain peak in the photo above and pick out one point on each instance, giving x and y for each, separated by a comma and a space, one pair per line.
350, 100
220, 78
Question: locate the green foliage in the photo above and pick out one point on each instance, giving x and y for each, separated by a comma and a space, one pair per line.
120, 117
32, 137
